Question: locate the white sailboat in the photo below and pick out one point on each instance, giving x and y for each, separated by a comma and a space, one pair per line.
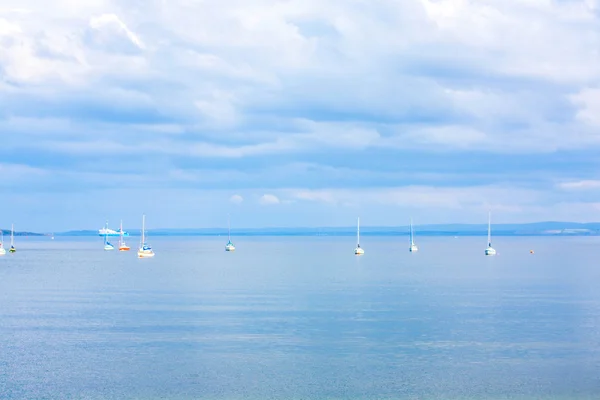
229, 246
12, 239
145, 251
122, 245
490, 251
107, 244
413, 246
358, 250
2, 249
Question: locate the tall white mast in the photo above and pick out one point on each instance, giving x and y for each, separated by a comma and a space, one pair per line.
358, 231
412, 242
143, 229
12, 235
489, 228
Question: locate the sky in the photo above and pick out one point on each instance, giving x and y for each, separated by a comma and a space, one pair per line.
298, 113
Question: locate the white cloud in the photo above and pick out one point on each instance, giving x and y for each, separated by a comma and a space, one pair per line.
268, 199
588, 101
110, 24
424, 197
236, 199
580, 185
274, 65
277, 88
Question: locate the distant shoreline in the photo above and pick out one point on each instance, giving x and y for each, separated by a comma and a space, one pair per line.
529, 229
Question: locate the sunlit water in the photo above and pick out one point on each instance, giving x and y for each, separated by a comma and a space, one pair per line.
301, 318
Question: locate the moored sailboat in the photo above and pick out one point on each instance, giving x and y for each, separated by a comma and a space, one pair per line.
12, 239
229, 246
2, 249
490, 251
145, 251
413, 246
358, 250
107, 244
122, 245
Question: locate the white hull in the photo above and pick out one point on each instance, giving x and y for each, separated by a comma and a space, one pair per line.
358, 250
230, 248
108, 247
490, 251
2, 251
144, 254
413, 248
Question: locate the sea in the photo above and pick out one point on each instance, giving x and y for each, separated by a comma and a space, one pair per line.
301, 318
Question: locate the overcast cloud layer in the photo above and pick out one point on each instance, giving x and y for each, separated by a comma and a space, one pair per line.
298, 113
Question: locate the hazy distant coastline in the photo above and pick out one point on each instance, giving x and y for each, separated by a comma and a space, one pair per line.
530, 229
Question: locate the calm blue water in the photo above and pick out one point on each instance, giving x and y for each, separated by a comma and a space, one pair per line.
301, 318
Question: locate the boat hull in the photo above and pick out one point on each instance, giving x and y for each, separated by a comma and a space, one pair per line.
2, 252
124, 248
490, 251
413, 248
359, 252
143, 254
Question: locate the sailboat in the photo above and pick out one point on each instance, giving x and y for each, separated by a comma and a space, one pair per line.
107, 244
413, 246
490, 251
2, 249
122, 245
229, 246
12, 239
145, 251
358, 250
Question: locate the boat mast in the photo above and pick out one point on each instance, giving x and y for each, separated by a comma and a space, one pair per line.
412, 242
143, 229
358, 232
489, 228
12, 235
228, 228
121, 234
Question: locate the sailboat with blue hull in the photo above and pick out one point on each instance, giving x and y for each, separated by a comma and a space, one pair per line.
107, 244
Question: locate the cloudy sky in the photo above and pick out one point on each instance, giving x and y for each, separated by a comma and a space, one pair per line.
298, 112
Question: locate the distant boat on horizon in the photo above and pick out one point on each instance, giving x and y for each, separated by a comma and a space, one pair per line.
111, 232
358, 250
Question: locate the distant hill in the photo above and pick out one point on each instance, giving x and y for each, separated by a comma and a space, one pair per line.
530, 229
6, 232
